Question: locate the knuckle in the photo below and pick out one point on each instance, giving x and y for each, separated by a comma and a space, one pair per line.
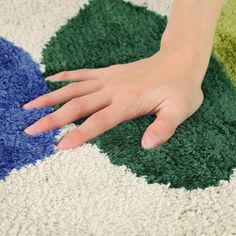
48, 121
98, 117
133, 113
114, 85
178, 106
45, 100
83, 71
102, 72
110, 71
127, 96
74, 104
182, 103
115, 67
107, 91
105, 119
63, 74
101, 120
168, 127
72, 87
123, 101
71, 84
136, 111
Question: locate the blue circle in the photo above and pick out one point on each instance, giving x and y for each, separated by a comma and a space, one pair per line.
20, 82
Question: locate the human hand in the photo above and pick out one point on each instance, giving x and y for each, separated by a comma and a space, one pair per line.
167, 84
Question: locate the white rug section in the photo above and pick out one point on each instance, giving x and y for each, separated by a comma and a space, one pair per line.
31, 23
163, 7
79, 192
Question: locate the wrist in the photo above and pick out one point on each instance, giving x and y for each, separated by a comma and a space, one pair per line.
190, 30
189, 47
187, 57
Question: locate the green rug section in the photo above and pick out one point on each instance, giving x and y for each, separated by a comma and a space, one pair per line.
203, 149
225, 39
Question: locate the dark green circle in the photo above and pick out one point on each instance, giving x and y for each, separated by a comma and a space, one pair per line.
203, 149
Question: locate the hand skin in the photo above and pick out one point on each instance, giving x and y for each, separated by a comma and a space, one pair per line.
167, 84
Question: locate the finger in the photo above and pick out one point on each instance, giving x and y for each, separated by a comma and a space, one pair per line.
64, 94
164, 126
94, 126
76, 75
73, 110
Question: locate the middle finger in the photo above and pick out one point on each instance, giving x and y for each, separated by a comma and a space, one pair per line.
73, 110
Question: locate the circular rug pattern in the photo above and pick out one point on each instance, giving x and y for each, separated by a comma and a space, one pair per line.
20, 81
203, 149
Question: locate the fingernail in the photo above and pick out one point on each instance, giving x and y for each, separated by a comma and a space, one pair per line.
33, 129
49, 78
27, 105
64, 144
150, 141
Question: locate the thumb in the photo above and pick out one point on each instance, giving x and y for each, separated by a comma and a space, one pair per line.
163, 127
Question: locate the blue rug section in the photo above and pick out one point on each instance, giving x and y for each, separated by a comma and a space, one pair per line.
20, 82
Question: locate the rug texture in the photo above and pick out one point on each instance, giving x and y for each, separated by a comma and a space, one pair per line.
111, 185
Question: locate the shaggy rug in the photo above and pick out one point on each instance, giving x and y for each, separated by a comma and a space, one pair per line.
110, 185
